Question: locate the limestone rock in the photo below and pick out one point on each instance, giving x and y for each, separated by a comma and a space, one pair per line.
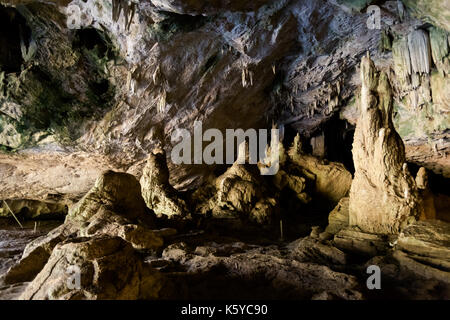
383, 196
426, 238
425, 268
276, 274
434, 11
240, 193
32, 209
338, 218
332, 180
158, 194
113, 207
439, 44
119, 192
239, 188
429, 209
205, 7
36, 255
308, 249
109, 269
352, 240
420, 51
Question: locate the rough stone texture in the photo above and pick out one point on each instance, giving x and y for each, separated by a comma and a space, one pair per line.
241, 192
157, 192
427, 238
116, 191
352, 239
291, 273
31, 209
58, 176
434, 11
301, 74
110, 269
332, 180
113, 207
429, 208
338, 218
383, 196
195, 7
36, 255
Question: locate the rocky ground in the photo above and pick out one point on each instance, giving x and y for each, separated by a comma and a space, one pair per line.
124, 251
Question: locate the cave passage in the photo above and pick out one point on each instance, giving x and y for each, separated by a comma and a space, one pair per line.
13, 28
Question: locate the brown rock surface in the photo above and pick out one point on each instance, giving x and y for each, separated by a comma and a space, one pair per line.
157, 192
110, 269
383, 196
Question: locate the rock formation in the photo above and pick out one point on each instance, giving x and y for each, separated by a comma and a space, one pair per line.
92, 92
157, 191
429, 209
383, 196
332, 181
240, 192
109, 269
113, 208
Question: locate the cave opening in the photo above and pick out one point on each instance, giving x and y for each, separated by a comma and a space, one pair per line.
338, 135
14, 33
93, 40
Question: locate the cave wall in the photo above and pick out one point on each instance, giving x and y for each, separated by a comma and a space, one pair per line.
118, 86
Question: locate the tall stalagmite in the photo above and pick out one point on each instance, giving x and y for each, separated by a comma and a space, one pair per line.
383, 196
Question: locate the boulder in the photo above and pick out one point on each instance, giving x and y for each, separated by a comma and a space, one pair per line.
331, 180
119, 192
108, 269
353, 240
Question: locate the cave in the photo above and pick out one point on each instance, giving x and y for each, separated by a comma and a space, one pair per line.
200, 150
13, 31
93, 40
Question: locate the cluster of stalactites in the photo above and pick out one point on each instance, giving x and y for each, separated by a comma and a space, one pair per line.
412, 54
128, 8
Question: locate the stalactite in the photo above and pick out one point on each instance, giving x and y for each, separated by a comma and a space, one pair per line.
116, 8
420, 51
401, 9
247, 77
402, 59
156, 75
162, 101
129, 10
439, 44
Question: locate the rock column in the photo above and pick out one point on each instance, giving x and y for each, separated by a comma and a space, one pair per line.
383, 196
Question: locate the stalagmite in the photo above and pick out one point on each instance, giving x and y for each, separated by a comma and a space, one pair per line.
383, 197
157, 192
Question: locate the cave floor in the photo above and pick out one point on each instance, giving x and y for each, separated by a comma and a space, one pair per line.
216, 263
